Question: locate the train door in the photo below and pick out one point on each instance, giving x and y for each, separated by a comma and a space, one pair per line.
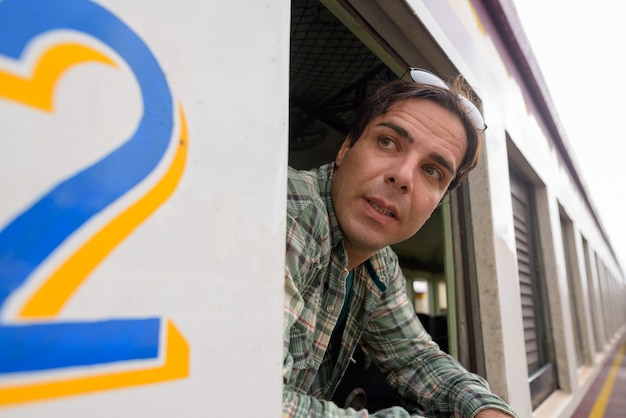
337, 59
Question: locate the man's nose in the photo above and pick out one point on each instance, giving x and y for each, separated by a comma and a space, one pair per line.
400, 176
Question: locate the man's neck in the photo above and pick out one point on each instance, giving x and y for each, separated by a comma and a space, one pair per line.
356, 258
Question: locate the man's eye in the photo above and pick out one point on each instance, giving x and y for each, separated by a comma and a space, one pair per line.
386, 142
433, 172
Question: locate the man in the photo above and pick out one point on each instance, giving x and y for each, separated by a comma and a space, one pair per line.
412, 142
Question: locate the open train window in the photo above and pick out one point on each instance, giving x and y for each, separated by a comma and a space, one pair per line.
341, 52
331, 73
332, 70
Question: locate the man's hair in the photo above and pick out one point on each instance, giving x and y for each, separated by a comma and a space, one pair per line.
396, 91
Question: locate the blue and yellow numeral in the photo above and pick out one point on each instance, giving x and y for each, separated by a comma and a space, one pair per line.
35, 341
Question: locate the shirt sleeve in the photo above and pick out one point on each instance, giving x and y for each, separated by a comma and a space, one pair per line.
430, 380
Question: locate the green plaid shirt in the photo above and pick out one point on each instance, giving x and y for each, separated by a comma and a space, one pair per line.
380, 317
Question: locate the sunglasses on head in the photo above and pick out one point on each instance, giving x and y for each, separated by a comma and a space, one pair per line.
471, 111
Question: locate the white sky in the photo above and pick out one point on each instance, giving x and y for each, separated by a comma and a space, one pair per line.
579, 46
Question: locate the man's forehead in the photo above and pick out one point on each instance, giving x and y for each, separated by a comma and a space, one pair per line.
407, 111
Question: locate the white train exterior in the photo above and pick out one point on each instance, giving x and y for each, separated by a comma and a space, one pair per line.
143, 163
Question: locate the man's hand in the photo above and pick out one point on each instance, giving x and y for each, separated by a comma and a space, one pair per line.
492, 413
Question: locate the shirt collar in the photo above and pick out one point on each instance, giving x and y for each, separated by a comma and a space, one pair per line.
325, 175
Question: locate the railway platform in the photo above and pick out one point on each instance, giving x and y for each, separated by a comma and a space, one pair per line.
607, 396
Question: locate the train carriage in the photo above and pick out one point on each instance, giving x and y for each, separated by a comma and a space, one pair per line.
144, 167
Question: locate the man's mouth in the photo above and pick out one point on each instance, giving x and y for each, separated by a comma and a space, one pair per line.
381, 209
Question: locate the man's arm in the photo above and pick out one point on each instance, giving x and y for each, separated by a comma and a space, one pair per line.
420, 372
492, 413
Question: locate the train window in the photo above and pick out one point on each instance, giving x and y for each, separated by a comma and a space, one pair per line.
326, 87
607, 294
539, 356
331, 72
421, 295
593, 298
429, 295
575, 299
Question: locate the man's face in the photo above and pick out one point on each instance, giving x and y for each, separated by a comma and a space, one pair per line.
388, 184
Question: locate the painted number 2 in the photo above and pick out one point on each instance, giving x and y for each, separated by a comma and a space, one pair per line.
34, 344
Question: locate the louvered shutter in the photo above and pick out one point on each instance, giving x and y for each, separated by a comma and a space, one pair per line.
540, 369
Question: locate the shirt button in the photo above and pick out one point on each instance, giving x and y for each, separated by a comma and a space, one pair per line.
383, 279
330, 308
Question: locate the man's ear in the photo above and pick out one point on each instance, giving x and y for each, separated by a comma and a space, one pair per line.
342, 151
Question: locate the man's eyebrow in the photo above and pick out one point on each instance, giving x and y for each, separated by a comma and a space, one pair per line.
442, 161
398, 129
